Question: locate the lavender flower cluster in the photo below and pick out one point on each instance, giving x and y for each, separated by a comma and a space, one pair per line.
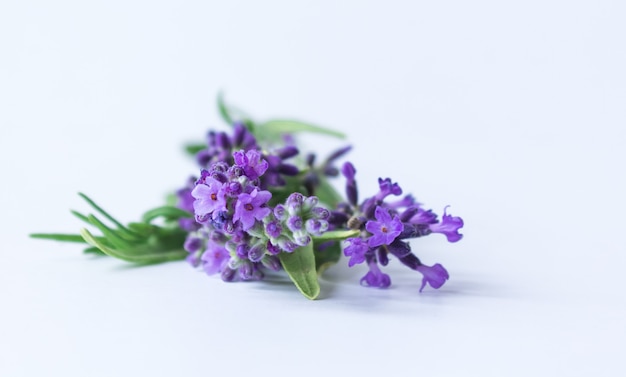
385, 227
259, 205
247, 214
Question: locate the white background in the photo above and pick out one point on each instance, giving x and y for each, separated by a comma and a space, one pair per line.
511, 112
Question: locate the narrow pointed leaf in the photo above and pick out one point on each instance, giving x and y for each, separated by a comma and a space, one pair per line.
300, 266
193, 149
224, 112
80, 216
122, 229
59, 237
140, 257
166, 212
280, 126
114, 238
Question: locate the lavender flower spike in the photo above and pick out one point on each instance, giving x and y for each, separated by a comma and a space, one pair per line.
435, 276
385, 229
251, 207
449, 226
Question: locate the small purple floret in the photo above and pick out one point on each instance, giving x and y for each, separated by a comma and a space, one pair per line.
435, 276
215, 259
316, 227
251, 162
273, 229
385, 229
424, 217
209, 197
375, 277
449, 226
251, 207
294, 223
387, 188
356, 250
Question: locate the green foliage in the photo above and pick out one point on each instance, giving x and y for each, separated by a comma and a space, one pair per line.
139, 242
327, 257
157, 237
300, 266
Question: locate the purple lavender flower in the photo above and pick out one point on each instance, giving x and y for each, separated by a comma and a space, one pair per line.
294, 223
407, 201
257, 252
352, 192
356, 251
233, 189
185, 202
316, 227
280, 212
294, 202
449, 226
251, 162
273, 229
387, 188
435, 276
192, 245
250, 207
277, 167
375, 277
215, 259
385, 229
287, 245
424, 217
209, 197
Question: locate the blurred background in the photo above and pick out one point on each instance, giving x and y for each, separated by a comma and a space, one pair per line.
511, 112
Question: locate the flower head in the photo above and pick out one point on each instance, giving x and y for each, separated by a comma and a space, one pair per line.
385, 229
251, 207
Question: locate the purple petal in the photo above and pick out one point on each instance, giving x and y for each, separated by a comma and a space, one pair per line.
356, 250
449, 226
435, 276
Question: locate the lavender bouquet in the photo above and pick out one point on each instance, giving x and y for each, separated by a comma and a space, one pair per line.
259, 204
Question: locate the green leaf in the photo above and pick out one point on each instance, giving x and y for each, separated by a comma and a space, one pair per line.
327, 257
336, 235
59, 237
111, 235
171, 199
280, 126
300, 266
125, 232
224, 112
171, 213
193, 149
80, 216
139, 255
